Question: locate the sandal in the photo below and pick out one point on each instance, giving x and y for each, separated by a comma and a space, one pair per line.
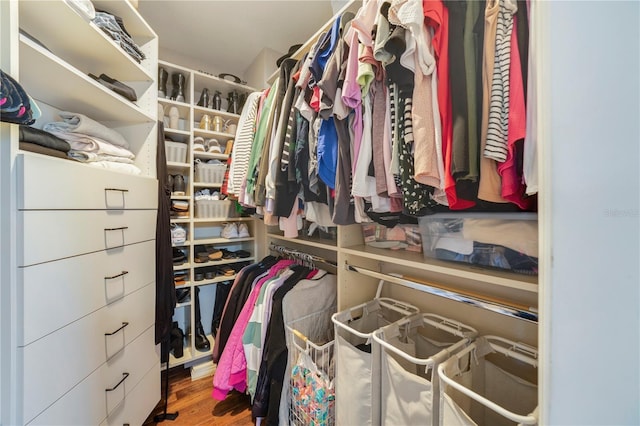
215, 255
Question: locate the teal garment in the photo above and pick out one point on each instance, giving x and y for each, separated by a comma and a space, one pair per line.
260, 136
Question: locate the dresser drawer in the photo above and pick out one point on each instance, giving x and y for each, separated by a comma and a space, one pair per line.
82, 285
139, 403
52, 184
57, 234
57, 362
89, 402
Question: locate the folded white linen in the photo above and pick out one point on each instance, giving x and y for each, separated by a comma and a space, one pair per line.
82, 142
89, 157
79, 123
131, 169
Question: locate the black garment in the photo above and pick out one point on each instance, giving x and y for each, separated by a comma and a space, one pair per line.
522, 32
237, 297
222, 293
286, 192
43, 138
165, 294
460, 150
266, 402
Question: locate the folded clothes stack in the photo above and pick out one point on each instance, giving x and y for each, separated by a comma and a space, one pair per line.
113, 26
36, 140
16, 106
93, 143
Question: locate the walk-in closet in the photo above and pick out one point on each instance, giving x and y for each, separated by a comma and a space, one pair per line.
352, 212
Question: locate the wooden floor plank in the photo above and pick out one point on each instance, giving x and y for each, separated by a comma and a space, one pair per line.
195, 406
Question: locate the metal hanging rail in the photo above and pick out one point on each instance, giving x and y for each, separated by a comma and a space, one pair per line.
304, 257
500, 307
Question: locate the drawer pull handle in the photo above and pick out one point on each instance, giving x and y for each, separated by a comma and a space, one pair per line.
124, 324
116, 189
125, 375
122, 228
116, 276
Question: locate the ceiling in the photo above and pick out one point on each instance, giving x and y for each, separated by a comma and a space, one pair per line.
231, 34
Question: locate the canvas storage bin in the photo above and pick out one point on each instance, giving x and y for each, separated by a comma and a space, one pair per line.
210, 173
410, 350
491, 382
176, 152
357, 363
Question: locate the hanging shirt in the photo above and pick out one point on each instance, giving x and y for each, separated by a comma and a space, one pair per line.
498, 124
242, 145
437, 18
490, 186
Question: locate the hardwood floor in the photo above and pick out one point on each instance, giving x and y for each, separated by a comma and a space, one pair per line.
195, 406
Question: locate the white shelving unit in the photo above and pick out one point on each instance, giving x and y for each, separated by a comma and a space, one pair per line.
201, 231
78, 323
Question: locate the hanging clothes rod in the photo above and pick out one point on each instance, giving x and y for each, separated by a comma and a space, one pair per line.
300, 255
510, 310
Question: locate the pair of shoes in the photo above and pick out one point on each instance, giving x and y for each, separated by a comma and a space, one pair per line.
176, 341
114, 85
182, 294
204, 98
198, 144
177, 92
178, 256
177, 185
229, 148
232, 230
201, 340
213, 146
215, 255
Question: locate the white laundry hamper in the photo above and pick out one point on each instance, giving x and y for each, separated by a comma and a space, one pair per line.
357, 370
311, 379
491, 382
410, 350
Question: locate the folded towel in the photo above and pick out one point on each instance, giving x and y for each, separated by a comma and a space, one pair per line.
81, 142
131, 169
90, 157
79, 123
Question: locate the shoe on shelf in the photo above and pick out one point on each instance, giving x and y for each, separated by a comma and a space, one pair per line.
198, 144
182, 294
243, 231
215, 255
230, 230
179, 185
204, 98
178, 256
176, 341
162, 83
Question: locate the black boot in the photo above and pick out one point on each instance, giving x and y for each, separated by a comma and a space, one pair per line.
201, 341
177, 341
204, 98
162, 83
177, 91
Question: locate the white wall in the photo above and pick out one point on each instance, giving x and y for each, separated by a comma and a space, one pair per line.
591, 300
261, 68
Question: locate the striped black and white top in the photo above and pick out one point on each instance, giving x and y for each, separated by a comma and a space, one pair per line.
498, 125
242, 144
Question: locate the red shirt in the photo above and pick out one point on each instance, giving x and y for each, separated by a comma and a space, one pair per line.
513, 187
437, 17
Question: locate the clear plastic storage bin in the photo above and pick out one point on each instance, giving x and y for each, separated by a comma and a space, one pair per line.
501, 242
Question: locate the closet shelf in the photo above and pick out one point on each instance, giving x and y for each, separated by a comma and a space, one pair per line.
210, 155
175, 165
215, 280
417, 261
210, 133
59, 84
181, 197
221, 240
224, 219
182, 266
210, 111
206, 185
183, 220
307, 241
223, 262
202, 80
169, 130
82, 43
186, 243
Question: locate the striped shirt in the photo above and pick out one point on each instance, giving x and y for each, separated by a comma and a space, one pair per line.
242, 144
496, 144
